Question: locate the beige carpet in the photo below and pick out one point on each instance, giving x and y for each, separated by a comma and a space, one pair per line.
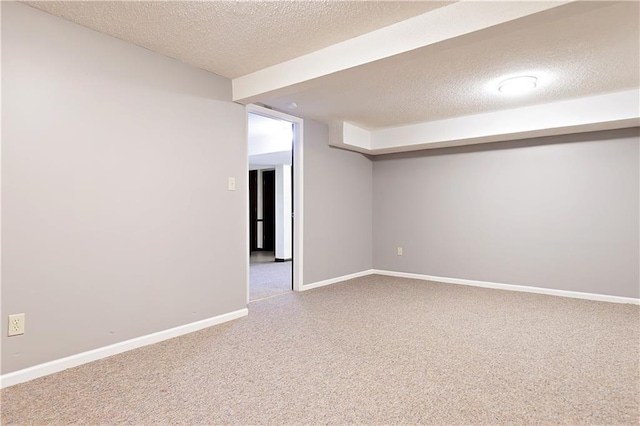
269, 279
373, 350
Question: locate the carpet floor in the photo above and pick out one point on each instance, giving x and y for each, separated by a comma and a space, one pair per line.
269, 279
374, 350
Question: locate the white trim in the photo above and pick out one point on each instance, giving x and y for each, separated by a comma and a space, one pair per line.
298, 195
298, 190
513, 287
61, 364
247, 213
338, 279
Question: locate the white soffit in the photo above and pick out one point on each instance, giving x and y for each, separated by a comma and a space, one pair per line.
441, 24
577, 50
602, 112
271, 159
234, 38
401, 75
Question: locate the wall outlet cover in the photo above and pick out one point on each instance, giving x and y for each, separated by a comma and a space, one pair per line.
16, 324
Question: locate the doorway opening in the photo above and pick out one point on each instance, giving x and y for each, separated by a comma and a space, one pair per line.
273, 142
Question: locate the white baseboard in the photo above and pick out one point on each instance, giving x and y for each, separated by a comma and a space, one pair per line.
57, 365
337, 279
512, 287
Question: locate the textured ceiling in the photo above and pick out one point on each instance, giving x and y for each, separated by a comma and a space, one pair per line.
234, 38
581, 49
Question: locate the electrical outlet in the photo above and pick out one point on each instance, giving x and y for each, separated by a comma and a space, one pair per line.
16, 324
399, 251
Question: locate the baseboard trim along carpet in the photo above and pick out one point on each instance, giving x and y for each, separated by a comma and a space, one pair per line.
337, 279
61, 364
512, 287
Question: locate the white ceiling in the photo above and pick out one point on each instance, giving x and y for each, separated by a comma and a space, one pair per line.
270, 141
389, 64
267, 134
234, 38
577, 50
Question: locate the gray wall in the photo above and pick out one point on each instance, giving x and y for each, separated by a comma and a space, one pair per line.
337, 208
116, 219
558, 212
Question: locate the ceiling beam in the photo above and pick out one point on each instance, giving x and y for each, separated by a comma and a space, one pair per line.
602, 112
438, 25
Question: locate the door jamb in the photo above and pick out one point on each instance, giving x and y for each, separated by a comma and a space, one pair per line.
298, 193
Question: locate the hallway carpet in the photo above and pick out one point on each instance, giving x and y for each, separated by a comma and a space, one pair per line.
269, 279
373, 350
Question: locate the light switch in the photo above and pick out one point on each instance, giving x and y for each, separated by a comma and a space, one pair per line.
399, 251
232, 184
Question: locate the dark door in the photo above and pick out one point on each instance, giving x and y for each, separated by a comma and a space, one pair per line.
253, 210
269, 210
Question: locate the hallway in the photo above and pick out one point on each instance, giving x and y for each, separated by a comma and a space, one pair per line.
268, 277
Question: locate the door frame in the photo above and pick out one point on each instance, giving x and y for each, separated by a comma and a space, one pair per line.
298, 193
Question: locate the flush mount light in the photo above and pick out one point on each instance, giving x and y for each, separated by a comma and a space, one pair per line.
517, 85
292, 105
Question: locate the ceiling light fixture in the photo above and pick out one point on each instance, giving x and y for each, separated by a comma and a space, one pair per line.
292, 105
517, 85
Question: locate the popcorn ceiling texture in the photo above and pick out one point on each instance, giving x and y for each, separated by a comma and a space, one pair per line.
374, 350
579, 49
582, 49
233, 38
